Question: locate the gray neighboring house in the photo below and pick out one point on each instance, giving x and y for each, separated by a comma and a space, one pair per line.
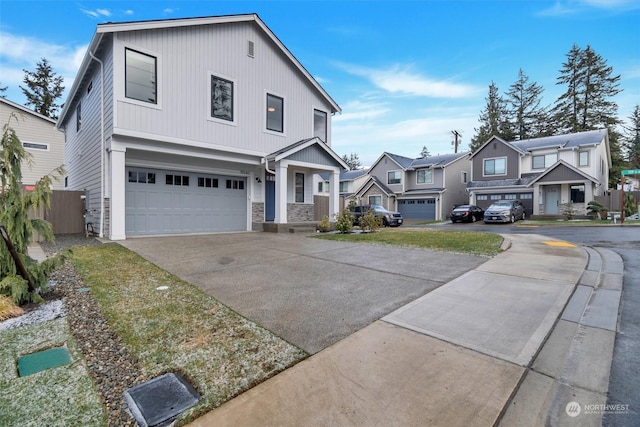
544, 173
421, 189
350, 181
196, 125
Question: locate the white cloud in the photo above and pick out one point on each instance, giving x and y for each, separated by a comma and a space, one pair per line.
563, 8
403, 81
97, 13
128, 12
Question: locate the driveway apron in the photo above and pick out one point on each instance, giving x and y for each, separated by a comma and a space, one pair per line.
311, 292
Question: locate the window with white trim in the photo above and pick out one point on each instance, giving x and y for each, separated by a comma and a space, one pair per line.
222, 98
35, 146
544, 161
577, 193
320, 124
299, 183
497, 166
583, 158
344, 187
424, 176
394, 177
140, 76
275, 113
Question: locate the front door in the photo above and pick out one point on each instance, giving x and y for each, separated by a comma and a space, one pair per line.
270, 198
551, 199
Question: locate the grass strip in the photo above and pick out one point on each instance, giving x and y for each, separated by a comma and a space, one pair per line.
61, 396
470, 242
180, 328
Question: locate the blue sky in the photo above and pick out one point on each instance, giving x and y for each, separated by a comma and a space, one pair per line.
405, 73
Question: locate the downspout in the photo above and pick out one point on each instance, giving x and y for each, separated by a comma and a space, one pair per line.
266, 166
101, 232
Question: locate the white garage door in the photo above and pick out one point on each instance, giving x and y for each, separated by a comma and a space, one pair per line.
170, 202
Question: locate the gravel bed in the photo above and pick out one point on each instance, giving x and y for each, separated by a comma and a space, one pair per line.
113, 369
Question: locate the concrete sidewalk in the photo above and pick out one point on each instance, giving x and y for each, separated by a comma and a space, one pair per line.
520, 340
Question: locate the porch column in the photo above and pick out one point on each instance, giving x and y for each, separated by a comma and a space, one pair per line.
281, 193
334, 195
117, 210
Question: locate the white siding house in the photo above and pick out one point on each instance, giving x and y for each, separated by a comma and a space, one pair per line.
40, 139
196, 125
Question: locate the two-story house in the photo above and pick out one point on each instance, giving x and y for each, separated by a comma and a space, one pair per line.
544, 173
421, 189
196, 125
40, 139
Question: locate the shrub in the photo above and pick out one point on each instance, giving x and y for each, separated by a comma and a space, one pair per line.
568, 210
595, 209
344, 221
370, 222
324, 225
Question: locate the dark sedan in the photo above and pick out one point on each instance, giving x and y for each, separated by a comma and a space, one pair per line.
466, 213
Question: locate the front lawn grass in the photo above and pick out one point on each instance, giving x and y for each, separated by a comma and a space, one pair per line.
180, 328
61, 396
471, 242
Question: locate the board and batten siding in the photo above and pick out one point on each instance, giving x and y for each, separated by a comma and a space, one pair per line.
30, 127
186, 58
82, 148
496, 149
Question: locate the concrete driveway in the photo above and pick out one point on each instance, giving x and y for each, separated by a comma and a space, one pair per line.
311, 292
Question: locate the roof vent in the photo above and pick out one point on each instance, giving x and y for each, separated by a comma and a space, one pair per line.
250, 49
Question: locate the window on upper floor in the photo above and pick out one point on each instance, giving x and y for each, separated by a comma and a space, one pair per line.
394, 177
299, 183
583, 158
544, 161
344, 187
140, 76
424, 176
320, 124
497, 166
222, 98
577, 193
275, 113
78, 116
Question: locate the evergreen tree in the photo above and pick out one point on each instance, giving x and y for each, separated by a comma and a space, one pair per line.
353, 161
425, 152
632, 139
587, 103
527, 117
618, 162
43, 89
494, 120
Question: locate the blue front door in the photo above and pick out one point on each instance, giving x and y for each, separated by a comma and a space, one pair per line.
270, 200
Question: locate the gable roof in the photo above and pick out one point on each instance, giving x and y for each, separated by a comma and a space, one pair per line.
306, 144
562, 164
438, 161
373, 181
403, 162
346, 175
500, 140
24, 109
176, 23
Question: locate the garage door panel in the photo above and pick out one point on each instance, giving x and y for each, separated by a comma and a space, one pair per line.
161, 208
424, 209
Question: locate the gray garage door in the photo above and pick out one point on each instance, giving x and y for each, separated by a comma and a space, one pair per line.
170, 202
418, 209
485, 200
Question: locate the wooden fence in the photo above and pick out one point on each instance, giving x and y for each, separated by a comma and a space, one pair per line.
613, 200
66, 213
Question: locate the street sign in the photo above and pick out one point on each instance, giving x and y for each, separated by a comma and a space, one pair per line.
631, 172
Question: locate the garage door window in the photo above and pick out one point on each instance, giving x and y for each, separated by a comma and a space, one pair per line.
207, 182
235, 184
182, 180
142, 177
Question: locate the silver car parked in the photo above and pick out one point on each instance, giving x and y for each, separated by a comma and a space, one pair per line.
504, 211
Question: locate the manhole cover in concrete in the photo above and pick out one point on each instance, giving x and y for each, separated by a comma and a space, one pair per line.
42, 360
160, 399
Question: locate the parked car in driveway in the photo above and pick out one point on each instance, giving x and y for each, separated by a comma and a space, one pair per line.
466, 213
504, 211
389, 218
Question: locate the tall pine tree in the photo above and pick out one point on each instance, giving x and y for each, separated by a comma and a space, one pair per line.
527, 117
587, 103
43, 89
494, 120
632, 139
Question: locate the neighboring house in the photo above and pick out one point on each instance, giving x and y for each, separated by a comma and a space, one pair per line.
543, 173
40, 139
421, 189
196, 125
350, 181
